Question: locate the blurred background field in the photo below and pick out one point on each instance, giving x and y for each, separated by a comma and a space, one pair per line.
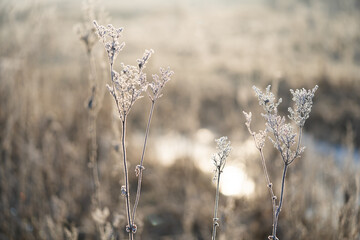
218, 51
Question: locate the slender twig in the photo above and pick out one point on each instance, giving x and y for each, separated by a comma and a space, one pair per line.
126, 175
219, 160
126, 178
140, 168
269, 184
92, 129
287, 162
278, 209
297, 153
93, 160
215, 219
93, 73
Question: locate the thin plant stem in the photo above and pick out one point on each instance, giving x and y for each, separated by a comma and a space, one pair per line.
298, 145
215, 219
140, 167
93, 160
281, 201
126, 175
92, 131
126, 178
269, 184
299, 139
287, 162
92, 65
93, 112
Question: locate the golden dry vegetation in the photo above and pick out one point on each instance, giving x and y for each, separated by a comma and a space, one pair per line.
218, 51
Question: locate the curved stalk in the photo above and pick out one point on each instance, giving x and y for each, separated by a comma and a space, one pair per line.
140, 167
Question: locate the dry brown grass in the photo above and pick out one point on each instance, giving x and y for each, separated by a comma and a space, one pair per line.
218, 52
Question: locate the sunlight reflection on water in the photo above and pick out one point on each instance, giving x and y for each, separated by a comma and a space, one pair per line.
234, 180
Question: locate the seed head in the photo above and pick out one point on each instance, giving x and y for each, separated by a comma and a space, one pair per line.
127, 86
224, 149
159, 82
267, 99
303, 103
112, 45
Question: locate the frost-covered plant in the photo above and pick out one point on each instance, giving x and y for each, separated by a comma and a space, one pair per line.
283, 137
219, 160
303, 104
110, 38
127, 86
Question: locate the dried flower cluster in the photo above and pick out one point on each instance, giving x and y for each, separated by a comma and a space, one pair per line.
129, 84
127, 87
110, 38
219, 158
267, 100
303, 103
282, 136
159, 82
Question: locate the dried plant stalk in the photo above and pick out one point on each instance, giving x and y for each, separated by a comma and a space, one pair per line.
283, 137
156, 88
126, 88
219, 161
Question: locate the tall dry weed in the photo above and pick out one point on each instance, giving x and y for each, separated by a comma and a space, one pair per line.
283, 137
128, 86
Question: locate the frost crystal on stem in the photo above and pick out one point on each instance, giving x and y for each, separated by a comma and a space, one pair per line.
267, 100
303, 103
259, 137
224, 148
127, 87
159, 82
112, 46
